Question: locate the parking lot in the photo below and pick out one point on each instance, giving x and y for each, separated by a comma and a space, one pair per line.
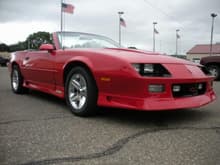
39, 129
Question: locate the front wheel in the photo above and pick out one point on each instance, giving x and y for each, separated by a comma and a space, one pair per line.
81, 92
215, 71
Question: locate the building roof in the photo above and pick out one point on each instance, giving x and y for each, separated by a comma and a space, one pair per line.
205, 49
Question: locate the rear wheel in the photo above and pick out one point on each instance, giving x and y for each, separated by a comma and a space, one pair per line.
81, 92
215, 71
17, 81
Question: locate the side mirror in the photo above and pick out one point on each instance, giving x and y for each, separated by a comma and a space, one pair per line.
48, 47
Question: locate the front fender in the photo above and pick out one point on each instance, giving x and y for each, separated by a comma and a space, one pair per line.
81, 59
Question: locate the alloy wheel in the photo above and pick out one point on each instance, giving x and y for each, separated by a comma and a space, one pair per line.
77, 91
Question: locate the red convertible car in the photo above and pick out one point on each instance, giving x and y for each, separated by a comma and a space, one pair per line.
89, 70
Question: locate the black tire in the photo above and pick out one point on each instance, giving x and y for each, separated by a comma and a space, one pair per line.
215, 71
86, 92
17, 88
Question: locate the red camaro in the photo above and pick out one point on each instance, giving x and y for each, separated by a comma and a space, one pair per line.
90, 70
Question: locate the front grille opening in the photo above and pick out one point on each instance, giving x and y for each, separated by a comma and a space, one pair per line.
158, 71
188, 90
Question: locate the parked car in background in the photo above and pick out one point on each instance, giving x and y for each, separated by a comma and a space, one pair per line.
213, 65
89, 70
3, 61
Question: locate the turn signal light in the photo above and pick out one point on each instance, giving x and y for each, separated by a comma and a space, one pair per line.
156, 88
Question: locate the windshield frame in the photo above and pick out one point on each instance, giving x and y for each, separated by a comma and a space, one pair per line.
112, 42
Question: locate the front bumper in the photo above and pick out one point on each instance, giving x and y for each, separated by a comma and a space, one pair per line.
134, 95
157, 103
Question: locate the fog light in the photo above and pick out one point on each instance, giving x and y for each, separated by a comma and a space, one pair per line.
200, 86
176, 88
156, 88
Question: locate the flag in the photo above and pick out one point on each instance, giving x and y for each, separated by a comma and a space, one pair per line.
177, 36
122, 22
67, 8
155, 31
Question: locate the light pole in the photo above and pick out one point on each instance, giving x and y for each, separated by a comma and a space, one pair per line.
154, 23
213, 15
119, 35
177, 37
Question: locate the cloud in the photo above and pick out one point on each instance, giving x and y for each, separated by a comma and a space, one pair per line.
100, 16
26, 10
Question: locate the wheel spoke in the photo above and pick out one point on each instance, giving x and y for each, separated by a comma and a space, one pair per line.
83, 92
83, 89
77, 91
75, 84
82, 101
74, 97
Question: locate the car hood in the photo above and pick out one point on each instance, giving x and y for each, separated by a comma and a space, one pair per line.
139, 56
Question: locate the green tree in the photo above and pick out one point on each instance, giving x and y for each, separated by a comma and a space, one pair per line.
4, 47
19, 46
33, 41
36, 39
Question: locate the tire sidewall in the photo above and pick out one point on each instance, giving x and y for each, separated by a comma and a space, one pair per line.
20, 88
89, 107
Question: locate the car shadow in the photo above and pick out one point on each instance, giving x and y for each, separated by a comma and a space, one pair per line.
48, 98
116, 115
156, 118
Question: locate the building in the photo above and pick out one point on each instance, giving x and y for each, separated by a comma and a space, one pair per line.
199, 51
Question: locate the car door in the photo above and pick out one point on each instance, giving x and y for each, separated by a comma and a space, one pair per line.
39, 69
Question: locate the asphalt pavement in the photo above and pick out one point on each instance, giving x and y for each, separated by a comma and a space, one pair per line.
39, 129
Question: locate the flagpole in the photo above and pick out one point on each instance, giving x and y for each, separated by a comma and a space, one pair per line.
119, 39
213, 17
61, 26
154, 23
177, 41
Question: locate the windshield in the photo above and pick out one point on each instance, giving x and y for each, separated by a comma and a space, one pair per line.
84, 40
